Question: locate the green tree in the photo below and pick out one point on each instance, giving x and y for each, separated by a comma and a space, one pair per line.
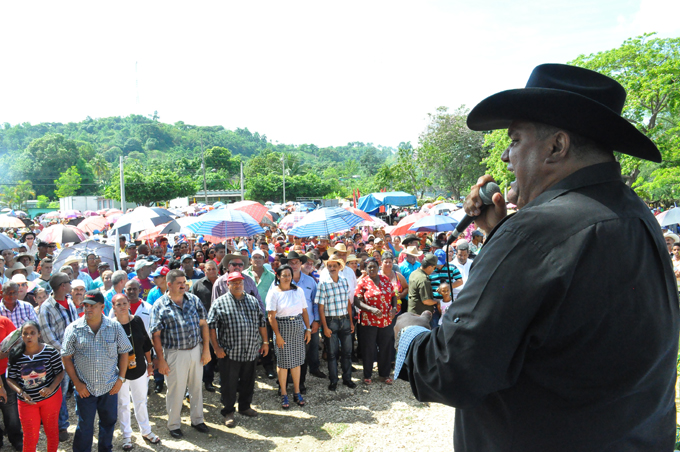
649, 70
151, 185
68, 184
43, 202
47, 158
450, 152
495, 143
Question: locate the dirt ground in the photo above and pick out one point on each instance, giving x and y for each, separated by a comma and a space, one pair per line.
369, 418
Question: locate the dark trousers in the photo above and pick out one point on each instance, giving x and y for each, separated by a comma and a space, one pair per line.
268, 361
209, 369
311, 358
237, 376
106, 406
339, 345
380, 342
10, 415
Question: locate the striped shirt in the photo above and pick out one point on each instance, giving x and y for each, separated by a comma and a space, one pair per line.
22, 312
440, 275
34, 373
333, 296
95, 356
179, 326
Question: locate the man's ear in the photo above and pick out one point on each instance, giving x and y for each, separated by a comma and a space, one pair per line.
560, 144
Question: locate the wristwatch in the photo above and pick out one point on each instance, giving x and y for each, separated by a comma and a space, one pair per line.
121, 379
309, 329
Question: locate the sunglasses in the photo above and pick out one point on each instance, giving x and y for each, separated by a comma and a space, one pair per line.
236, 265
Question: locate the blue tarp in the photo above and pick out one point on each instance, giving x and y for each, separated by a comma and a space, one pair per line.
374, 201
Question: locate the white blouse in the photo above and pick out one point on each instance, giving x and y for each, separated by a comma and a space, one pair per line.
287, 303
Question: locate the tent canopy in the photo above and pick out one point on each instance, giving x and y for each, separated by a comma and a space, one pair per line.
374, 201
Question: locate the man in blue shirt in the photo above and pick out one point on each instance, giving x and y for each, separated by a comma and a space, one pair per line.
410, 264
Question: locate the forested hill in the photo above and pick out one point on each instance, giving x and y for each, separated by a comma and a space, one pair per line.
43, 153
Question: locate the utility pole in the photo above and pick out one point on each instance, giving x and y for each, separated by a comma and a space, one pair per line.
205, 189
242, 193
122, 186
283, 166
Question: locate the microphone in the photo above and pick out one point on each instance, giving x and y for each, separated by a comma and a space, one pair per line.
486, 194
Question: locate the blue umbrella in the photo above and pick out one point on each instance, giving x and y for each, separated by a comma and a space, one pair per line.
6, 243
225, 223
325, 221
434, 223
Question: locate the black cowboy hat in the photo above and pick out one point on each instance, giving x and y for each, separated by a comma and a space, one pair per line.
410, 239
576, 99
294, 255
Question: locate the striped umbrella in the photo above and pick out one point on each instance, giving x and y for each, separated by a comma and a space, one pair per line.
224, 223
60, 233
361, 213
325, 221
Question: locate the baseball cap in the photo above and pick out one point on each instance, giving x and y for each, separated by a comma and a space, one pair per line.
160, 271
93, 297
462, 245
142, 263
429, 259
186, 256
259, 253
441, 257
233, 276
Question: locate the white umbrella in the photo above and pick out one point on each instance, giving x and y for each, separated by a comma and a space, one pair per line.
82, 249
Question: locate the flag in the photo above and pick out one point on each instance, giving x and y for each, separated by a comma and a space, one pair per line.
382, 208
354, 195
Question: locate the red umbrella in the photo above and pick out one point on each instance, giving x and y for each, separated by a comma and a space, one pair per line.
252, 208
112, 212
403, 227
92, 224
361, 213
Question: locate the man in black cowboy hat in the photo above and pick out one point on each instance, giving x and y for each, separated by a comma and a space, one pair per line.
562, 340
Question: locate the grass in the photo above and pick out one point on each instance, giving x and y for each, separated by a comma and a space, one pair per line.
334, 429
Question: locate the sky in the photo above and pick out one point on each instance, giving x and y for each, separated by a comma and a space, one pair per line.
299, 72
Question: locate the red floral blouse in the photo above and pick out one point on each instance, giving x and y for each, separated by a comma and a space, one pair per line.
379, 296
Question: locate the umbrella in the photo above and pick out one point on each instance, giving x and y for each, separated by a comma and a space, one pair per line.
225, 223
90, 213
9, 221
361, 213
113, 212
52, 215
140, 219
291, 220
218, 204
404, 225
161, 229
325, 221
672, 216
434, 223
252, 208
92, 224
62, 234
275, 215
7, 243
375, 222
457, 215
82, 249
71, 214
444, 208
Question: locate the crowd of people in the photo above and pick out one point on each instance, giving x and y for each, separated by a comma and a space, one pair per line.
183, 314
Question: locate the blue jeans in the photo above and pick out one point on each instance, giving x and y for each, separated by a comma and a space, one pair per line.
10, 416
63, 413
339, 344
107, 407
311, 357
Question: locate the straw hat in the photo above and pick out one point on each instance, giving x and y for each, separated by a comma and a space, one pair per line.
352, 257
413, 251
334, 258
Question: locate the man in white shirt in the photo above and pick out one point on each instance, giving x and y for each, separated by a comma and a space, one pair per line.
462, 263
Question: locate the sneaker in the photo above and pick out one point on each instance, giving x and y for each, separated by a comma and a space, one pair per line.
63, 435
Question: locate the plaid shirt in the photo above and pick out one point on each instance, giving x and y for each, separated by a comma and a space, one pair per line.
237, 323
54, 319
95, 356
179, 327
23, 311
333, 296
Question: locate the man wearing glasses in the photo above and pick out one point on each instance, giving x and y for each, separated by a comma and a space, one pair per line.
236, 263
14, 309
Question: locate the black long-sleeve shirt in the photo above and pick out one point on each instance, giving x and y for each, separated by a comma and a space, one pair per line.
565, 337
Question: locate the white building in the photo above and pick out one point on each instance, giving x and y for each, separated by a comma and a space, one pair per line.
95, 203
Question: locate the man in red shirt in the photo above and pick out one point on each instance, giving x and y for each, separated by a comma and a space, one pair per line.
8, 399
